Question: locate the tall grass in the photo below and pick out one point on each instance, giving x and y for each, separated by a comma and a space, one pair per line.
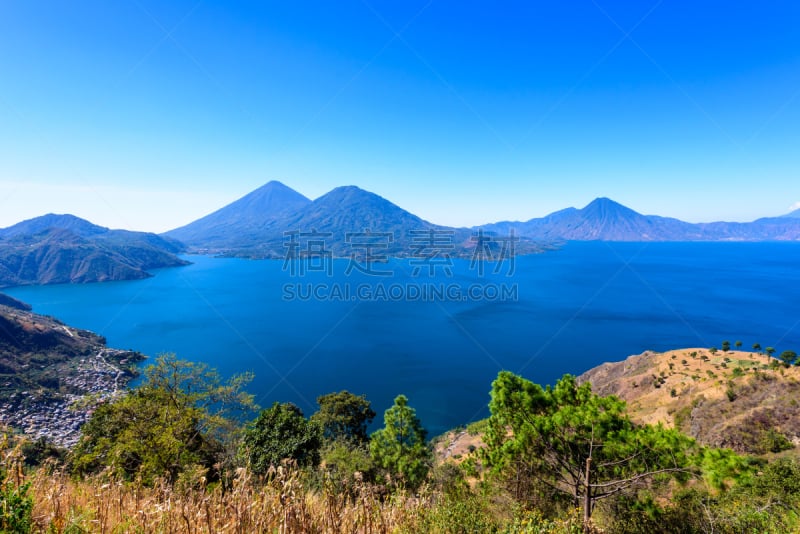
283, 503
280, 504
47, 499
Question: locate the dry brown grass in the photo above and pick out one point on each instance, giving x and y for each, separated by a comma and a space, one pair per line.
281, 505
717, 397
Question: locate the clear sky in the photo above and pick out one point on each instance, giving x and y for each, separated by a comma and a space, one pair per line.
147, 114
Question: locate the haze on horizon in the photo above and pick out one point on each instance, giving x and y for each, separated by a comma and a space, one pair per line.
146, 115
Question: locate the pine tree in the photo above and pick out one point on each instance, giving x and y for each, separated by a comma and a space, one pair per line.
400, 447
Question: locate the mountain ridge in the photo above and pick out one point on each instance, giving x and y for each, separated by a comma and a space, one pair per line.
263, 225
333, 220
55, 249
793, 214
260, 223
45, 222
604, 219
245, 216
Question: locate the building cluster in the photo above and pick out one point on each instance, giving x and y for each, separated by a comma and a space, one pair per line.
57, 416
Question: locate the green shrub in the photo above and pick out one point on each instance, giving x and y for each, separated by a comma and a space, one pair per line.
16, 506
773, 441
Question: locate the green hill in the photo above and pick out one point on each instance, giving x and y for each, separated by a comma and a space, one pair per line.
55, 249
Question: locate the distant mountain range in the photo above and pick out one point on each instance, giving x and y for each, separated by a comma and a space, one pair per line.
344, 221
275, 220
56, 249
606, 220
257, 224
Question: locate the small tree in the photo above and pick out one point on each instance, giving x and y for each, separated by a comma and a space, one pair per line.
182, 416
770, 351
344, 416
757, 347
738, 344
342, 460
788, 357
726, 346
278, 433
400, 447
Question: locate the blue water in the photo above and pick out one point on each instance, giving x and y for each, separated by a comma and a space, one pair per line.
574, 308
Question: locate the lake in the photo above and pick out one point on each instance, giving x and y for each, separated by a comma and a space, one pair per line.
441, 339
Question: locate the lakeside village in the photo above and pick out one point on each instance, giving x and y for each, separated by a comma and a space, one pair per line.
58, 417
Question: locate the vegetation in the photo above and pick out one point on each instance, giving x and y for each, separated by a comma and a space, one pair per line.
16, 504
173, 456
400, 447
574, 447
179, 420
788, 357
281, 432
344, 416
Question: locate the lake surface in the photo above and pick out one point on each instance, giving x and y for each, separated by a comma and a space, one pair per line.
563, 312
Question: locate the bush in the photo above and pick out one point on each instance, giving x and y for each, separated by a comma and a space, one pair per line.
458, 512
180, 417
16, 508
278, 433
478, 427
773, 441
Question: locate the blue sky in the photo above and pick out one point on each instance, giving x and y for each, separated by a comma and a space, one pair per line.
147, 114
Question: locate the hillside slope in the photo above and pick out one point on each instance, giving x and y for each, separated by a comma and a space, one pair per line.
244, 222
47, 368
735, 399
55, 249
746, 401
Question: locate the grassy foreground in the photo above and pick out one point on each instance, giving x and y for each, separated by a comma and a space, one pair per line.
64, 504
